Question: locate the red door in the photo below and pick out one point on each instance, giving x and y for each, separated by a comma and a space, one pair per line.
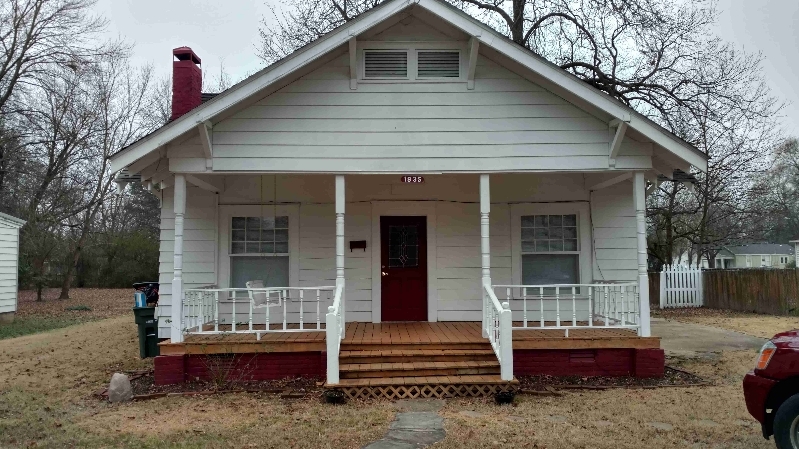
403, 254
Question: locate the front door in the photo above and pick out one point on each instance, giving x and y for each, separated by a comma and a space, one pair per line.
403, 260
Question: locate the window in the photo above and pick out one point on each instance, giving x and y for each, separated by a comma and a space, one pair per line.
783, 260
550, 252
259, 250
385, 64
438, 64
763, 262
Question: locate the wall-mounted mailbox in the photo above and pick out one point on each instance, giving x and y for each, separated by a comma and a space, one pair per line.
358, 244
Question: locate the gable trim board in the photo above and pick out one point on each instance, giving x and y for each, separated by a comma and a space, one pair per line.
255, 87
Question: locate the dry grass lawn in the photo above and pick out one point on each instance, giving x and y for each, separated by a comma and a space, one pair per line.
46, 381
756, 325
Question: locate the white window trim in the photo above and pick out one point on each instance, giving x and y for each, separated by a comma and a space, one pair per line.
583, 235
412, 48
226, 214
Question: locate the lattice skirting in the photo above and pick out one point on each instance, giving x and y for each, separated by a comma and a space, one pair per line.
439, 391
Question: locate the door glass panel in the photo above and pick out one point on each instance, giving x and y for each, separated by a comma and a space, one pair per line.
403, 246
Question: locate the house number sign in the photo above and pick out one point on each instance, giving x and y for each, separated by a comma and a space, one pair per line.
413, 179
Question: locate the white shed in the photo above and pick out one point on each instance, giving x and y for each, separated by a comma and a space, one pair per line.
9, 265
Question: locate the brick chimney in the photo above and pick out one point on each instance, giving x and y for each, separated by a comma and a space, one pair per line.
187, 81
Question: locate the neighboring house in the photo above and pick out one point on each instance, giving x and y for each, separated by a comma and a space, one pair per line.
9, 266
757, 255
383, 184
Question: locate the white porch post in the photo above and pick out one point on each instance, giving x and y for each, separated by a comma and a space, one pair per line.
485, 245
176, 327
639, 200
340, 202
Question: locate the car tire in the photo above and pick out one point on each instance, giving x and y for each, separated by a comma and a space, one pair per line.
786, 424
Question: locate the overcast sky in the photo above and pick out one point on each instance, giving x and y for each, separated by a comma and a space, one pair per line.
227, 33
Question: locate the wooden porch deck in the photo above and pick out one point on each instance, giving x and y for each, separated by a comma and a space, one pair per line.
407, 335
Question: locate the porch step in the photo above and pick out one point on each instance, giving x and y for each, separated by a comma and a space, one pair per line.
376, 346
430, 355
419, 369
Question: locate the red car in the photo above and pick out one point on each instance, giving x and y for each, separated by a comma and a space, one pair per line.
772, 389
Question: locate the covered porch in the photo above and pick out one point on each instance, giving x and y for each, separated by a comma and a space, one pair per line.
474, 279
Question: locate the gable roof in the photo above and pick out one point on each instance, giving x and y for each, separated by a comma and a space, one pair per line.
758, 249
13, 222
556, 79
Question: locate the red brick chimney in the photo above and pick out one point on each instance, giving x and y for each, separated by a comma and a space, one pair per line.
187, 81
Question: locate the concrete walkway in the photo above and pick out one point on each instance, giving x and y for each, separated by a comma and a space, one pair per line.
691, 340
416, 425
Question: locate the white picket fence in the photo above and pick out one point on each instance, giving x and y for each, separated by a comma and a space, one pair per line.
681, 286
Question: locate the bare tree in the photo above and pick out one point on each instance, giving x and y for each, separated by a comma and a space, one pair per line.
119, 100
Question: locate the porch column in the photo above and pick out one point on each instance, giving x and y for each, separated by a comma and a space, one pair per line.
340, 202
176, 327
639, 200
485, 244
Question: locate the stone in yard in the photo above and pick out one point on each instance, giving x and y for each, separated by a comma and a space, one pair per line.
662, 426
558, 418
418, 421
119, 390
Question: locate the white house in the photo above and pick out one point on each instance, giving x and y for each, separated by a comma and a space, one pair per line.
9, 266
406, 167
756, 255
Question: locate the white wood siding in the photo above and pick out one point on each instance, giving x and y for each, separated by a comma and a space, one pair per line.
9, 257
613, 219
199, 247
318, 124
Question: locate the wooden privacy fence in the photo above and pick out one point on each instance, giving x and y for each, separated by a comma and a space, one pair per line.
681, 286
770, 291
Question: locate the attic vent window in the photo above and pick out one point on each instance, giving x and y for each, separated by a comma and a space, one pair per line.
439, 64
386, 64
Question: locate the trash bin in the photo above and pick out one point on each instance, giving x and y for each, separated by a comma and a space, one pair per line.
148, 331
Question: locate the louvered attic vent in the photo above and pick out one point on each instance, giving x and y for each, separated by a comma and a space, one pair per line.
439, 64
386, 64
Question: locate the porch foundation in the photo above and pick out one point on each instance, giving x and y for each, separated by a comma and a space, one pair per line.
244, 367
649, 362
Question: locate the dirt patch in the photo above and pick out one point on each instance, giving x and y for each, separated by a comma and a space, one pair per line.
756, 325
85, 304
144, 385
672, 378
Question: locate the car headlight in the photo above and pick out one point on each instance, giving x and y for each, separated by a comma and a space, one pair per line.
766, 352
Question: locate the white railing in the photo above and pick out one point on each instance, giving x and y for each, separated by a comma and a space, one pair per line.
335, 327
498, 326
681, 286
573, 306
211, 310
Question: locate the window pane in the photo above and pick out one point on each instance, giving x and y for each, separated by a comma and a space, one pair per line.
541, 233
253, 235
528, 234
238, 235
570, 245
541, 221
282, 235
556, 245
281, 248
274, 271
570, 233
268, 248
528, 247
238, 222
555, 220
268, 235
549, 233
543, 269
542, 245
253, 247
570, 220
528, 221
253, 223
237, 248
555, 233
282, 222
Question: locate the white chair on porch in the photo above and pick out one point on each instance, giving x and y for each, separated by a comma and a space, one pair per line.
263, 299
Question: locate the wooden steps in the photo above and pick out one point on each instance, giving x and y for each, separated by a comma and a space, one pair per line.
426, 368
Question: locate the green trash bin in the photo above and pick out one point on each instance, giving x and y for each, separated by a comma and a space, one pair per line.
148, 331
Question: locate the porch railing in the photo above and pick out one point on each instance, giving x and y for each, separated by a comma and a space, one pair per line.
284, 309
497, 324
335, 327
573, 306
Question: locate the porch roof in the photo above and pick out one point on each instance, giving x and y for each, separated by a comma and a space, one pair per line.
551, 76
